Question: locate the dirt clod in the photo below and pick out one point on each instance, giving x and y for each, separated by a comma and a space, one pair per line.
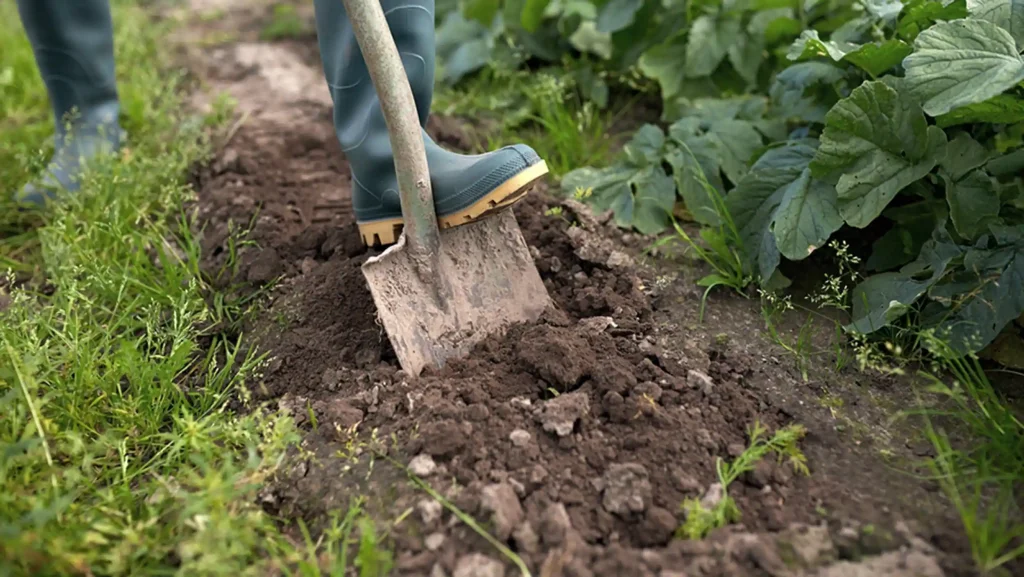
422, 466
430, 511
444, 438
559, 415
434, 541
658, 527
265, 267
477, 565
627, 489
555, 525
556, 355
526, 538
501, 501
520, 438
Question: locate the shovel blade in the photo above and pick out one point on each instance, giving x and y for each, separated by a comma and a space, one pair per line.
491, 283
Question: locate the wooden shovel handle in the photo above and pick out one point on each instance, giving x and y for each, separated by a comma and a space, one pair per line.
396, 100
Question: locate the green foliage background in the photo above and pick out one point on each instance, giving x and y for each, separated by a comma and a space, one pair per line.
901, 118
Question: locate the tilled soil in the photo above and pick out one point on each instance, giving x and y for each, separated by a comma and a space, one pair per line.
573, 440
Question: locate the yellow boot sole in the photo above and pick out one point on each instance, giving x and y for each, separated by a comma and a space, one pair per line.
386, 232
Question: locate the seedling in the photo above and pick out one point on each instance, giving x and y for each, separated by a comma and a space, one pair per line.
701, 519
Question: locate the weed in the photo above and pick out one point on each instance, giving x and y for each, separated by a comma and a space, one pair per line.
773, 307
703, 517
983, 480
331, 553
722, 245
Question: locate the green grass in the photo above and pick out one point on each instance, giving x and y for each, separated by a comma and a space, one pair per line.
984, 477
117, 453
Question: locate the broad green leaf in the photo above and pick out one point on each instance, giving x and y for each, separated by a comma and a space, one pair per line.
852, 31
483, 11
883, 298
646, 146
652, 24
763, 21
973, 203
733, 126
746, 55
617, 15
1000, 109
876, 142
742, 108
980, 312
736, 140
584, 9
912, 227
1009, 164
607, 184
920, 14
587, 38
592, 87
960, 63
662, 63
810, 45
876, 58
790, 90
463, 46
807, 217
964, 154
886, 10
739, 140
655, 196
708, 43
1007, 14
689, 172
637, 190
533, 13
780, 208
873, 57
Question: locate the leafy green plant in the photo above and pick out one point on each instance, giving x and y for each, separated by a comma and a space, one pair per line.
701, 519
901, 118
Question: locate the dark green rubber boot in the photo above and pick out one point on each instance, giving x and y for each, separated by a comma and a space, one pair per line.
465, 187
73, 43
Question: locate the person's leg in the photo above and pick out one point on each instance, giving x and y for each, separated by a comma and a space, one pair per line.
465, 187
73, 43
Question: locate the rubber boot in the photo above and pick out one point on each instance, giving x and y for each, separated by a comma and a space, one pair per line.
73, 43
465, 187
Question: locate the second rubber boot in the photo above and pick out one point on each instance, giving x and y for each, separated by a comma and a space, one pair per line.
465, 187
73, 44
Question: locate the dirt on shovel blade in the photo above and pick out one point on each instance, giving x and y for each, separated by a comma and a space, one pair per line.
485, 282
573, 439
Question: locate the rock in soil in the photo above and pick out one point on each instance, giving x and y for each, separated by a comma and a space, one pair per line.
627, 489
477, 565
560, 414
501, 502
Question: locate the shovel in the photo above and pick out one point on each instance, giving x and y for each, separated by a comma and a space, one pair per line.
437, 293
